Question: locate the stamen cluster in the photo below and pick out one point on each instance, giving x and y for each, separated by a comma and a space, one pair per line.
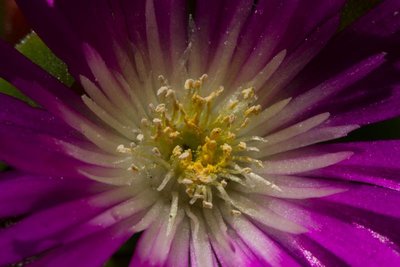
195, 139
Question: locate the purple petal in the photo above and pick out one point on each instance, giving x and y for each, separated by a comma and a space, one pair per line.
17, 241
376, 97
298, 59
21, 193
354, 243
260, 244
18, 113
260, 36
94, 250
303, 22
309, 101
370, 198
306, 251
179, 254
36, 153
155, 244
213, 29
369, 164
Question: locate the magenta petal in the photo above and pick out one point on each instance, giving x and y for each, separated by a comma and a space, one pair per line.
261, 35
179, 254
370, 198
369, 164
90, 251
376, 97
269, 252
303, 22
351, 241
22, 193
17, 241
17, 113
306, 251
36, 153
298, 59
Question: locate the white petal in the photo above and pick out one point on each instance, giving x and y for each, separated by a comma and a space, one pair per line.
304, 164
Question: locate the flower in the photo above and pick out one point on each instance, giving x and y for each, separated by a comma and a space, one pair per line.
202, 124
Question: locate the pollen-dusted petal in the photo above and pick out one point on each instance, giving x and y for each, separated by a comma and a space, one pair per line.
132, 209
316, 95
261, 245
294, 187
351, 241
265, 115
93, 250
370, 198
109, 84
128, 132
172, 21
179, 253
20, 193
18, 113
92, 155
201, 253
209, 28
316, 135
260, 37
101, 99
295, 129
304, 163
369, 164
240, 255
155, 244
111, 176
17, 240
296, 61
373, 33
226, 40
263, 214
268, 70
35, 152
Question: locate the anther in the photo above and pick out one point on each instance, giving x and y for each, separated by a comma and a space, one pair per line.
207, 205
162, 90
242, 145
248, 93
160, 108
140, 137
235, 212
189, 84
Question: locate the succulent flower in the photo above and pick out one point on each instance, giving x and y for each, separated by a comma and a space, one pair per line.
208, 125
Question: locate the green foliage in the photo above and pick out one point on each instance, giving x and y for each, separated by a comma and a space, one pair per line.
34, 49
355, 9
2, 166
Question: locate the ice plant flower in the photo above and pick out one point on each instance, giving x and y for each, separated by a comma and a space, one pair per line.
204, 125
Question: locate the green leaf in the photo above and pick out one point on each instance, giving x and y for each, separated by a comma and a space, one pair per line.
3, 166
8, 89
34, 49
355, 9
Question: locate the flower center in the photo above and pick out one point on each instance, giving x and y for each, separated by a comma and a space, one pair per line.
196, 140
